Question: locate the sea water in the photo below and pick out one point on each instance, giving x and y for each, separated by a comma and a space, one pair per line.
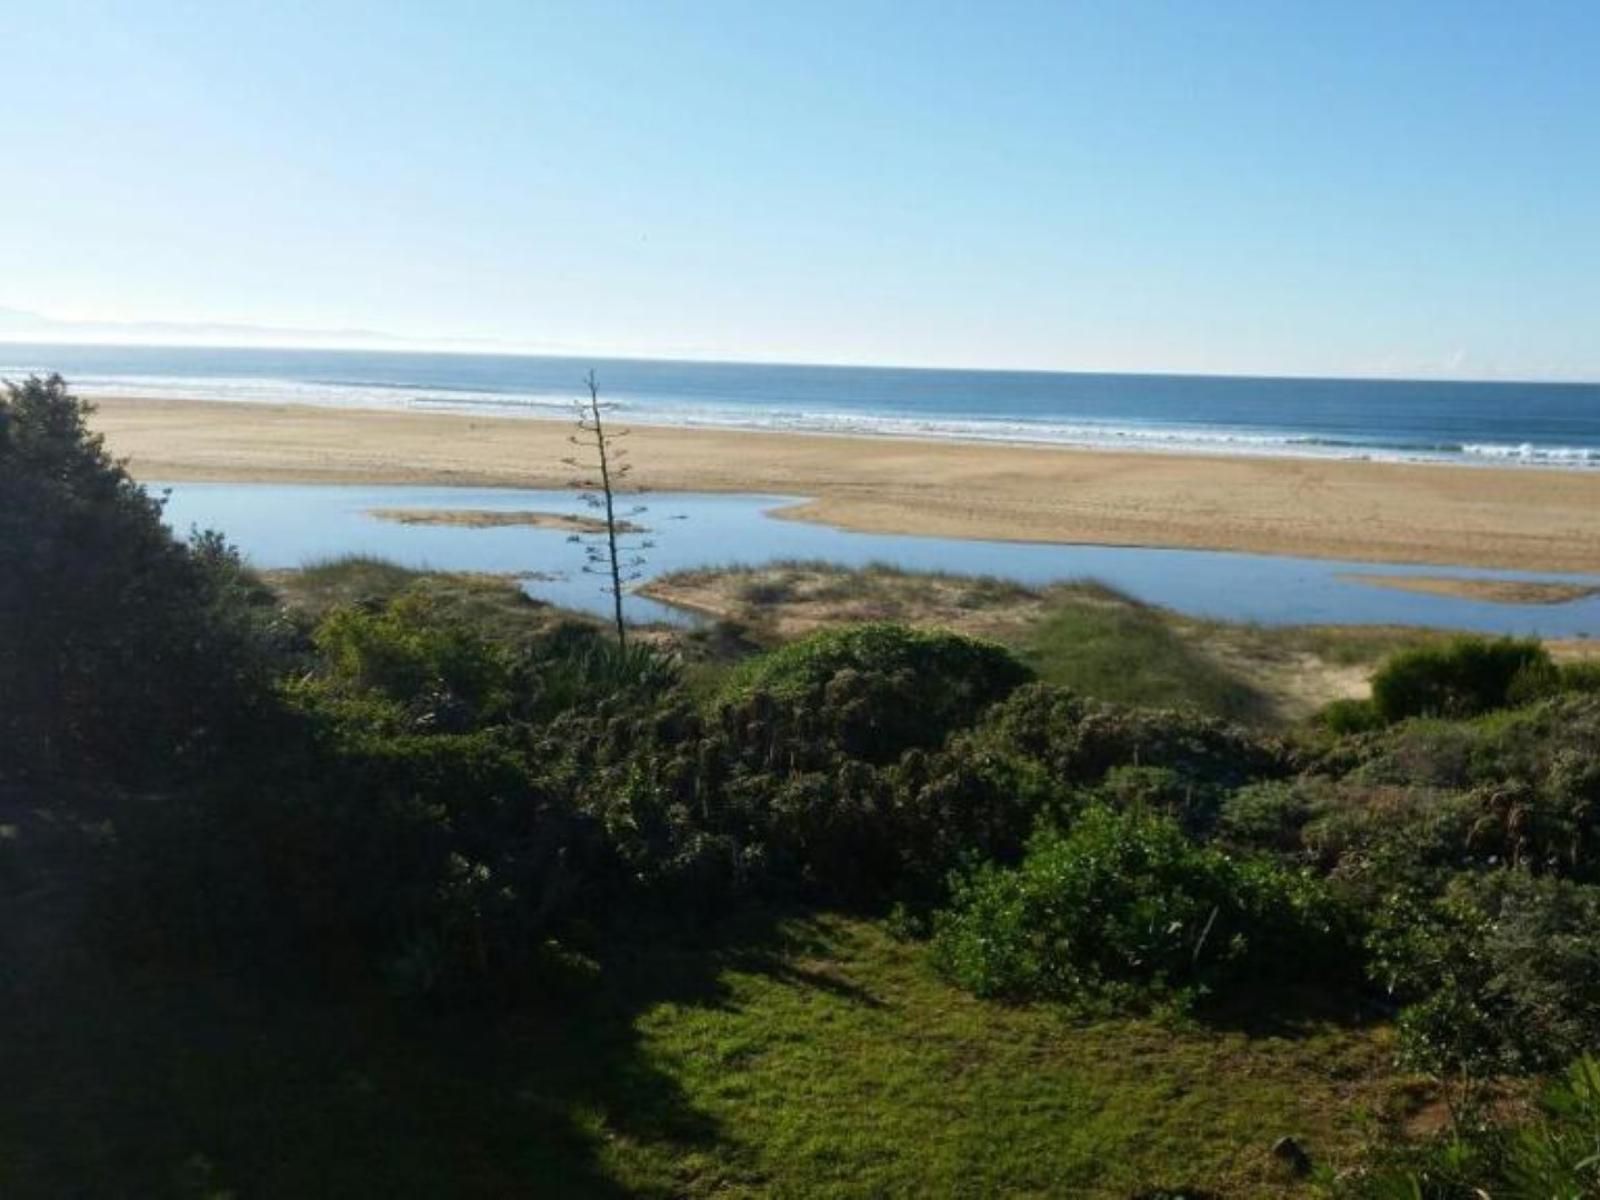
1537, 424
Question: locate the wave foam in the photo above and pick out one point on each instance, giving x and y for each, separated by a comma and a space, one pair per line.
687, 412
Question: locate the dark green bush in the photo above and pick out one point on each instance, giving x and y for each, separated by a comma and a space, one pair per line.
1342, 717
577, 665
1121, 906
883, 688
1462, 679
122, 650
1519, 786
1182, 761
437, 672
1501, 973
1555, 1155
1272, 816
1579, 676
433, 861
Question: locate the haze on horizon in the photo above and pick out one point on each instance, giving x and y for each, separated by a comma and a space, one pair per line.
1359, 189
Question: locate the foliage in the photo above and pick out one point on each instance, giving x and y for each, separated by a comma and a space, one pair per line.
433, 860
1463, 678
883, 688
1077, 742
122, 650
1520, 786
1553, 1156
1501, 973
1122, 906
432, 785
1272, 815
1346, 716
1578, 676
439, 673
571, 666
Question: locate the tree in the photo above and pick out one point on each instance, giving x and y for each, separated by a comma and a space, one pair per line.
121, 648
609, 553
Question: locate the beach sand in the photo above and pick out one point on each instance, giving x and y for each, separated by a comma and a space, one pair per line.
1363, 511
1493, 591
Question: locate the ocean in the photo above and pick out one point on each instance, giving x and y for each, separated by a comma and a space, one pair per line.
1534, 424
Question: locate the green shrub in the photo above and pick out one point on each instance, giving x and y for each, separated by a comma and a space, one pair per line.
438, 671
1347, 716
1555, 1155
1271, 816
577, 665
1077, 742
1501, 973
1519, 786
882, 688
1466, 677
432, 862
123, 651
1580, 676
1121, 906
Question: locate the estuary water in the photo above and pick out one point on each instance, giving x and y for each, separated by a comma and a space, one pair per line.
289, 525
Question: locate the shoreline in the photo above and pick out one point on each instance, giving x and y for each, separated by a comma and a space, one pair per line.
1357, 510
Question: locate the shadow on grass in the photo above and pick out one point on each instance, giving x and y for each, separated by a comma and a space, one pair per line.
145, 1082
1290, 1011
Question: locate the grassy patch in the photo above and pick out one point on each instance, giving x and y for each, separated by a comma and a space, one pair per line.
787, 598
1131, 654
819, 1057
1083, 634
492, 604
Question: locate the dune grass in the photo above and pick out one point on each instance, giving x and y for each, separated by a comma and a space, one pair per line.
494, 604
1082, 634
1131, 654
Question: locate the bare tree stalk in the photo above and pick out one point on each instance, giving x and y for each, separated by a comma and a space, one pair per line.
611, 509
603, 470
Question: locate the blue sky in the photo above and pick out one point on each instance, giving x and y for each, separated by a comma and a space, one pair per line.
1306, 188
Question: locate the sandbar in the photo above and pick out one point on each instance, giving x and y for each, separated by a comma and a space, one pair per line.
489, 518
1354, 510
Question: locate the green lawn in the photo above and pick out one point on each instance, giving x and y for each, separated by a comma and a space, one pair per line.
812, 1057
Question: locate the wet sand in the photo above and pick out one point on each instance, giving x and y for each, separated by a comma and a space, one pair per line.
1362, 511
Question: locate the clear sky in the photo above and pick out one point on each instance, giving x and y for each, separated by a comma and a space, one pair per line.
1280, 187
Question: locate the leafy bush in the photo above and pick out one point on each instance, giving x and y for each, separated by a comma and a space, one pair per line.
883, 688
1077, 742
1347, 716
575, 665
1579, 676
1554, 1156
431, 860
1122, 906
439, 672
1501, 973
122, 650
1519, 786
1466, 677
1271, 816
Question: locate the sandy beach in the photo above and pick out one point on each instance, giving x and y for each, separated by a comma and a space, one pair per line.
1364, 511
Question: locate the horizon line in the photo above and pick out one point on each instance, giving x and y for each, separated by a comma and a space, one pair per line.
453, 347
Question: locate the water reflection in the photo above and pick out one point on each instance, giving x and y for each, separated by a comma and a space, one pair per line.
287, 525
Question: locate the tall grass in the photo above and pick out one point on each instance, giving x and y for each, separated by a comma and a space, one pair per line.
1127, 653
